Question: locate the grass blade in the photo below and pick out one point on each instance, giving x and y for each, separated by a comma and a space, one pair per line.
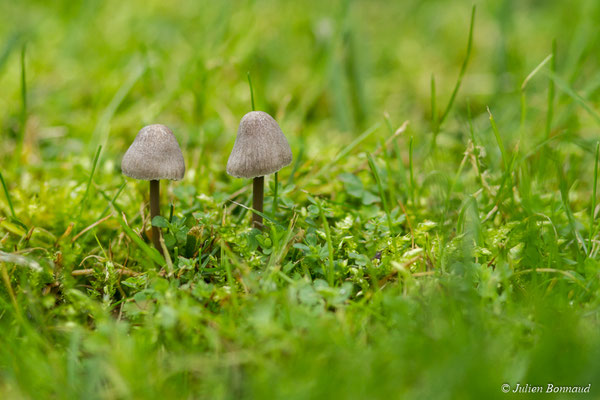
475, 143
434, 112
23, 89
298, 161
564, 195
593, 208
545, 61
330, 270
11, 293
149, 251
8, 199
411, 171
451, 187
251, 91
567, 89
390, 173
523, 85
276, 183
463, 69
112, 201
550, 112
498, 139
89, 183
225, 265
381, 193
265, 216
11, 43
280, 250
21, 139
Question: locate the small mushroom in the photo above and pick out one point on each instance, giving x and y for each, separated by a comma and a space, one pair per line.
154, 155
260, 149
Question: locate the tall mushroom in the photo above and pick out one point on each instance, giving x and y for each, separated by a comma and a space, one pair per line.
260, 149
154, 155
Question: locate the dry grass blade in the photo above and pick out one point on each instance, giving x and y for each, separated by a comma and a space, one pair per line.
91, 271
92, 226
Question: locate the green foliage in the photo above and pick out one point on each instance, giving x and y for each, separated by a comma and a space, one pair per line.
436, 259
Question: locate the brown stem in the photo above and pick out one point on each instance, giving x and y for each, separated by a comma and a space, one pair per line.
258, 185
154, 211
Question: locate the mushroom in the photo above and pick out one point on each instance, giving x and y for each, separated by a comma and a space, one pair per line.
260, 149
154, 155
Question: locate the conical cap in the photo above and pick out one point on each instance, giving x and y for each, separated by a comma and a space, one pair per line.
154, 154
260, 147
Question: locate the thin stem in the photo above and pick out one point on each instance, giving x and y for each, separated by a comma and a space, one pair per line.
593, 208
8, 199
331, 269
461, 74
381, 193
498, 140
154, 211
258, 187
23, 104
411, 173
11, 293
550, 112
89, 183
275, 199
434, 114
251, 91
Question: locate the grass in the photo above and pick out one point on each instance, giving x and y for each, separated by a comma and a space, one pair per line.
440, 258
437, 121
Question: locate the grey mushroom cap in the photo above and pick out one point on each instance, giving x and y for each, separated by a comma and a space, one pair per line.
154, 154
260, 147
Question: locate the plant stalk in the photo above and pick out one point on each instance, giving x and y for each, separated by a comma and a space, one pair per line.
258, 187
275, 199
154, 211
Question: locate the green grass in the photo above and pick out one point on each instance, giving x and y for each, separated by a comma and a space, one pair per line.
438, 258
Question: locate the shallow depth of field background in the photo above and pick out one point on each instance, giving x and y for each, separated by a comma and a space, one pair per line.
448, 304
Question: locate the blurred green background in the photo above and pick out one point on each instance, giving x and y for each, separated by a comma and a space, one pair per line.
98, 71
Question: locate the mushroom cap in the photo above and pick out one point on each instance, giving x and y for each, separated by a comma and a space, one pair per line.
154, 155
260, 147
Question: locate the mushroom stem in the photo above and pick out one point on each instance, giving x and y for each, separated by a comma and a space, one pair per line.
154, 211
258, 186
